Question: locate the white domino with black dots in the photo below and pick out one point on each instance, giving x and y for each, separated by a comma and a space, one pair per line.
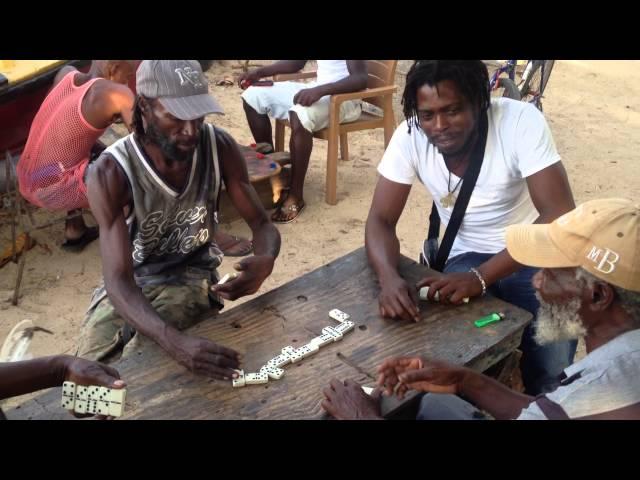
68, 395
93, 399
339, 315
240, 380
256, 378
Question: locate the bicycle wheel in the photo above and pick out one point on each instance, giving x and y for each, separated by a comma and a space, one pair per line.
533, 85
510, 88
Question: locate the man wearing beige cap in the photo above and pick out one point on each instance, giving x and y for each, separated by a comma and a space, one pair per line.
589, 286
154, 194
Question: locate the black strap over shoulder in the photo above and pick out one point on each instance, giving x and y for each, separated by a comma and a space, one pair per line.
437, 257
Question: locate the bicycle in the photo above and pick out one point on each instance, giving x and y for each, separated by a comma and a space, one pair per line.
532, 83
507, 83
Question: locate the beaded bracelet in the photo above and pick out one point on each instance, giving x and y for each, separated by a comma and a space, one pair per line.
477, 274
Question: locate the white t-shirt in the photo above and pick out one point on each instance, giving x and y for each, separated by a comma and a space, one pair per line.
519, 144
330, 71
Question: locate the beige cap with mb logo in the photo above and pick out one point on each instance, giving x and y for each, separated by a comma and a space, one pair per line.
601, 236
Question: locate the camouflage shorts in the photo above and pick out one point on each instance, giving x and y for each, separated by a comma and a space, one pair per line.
103, 336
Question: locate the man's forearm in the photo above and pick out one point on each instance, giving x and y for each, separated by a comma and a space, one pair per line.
266, 240
492, 396
20, 378
352, 83
281, 67
501, 264
137, 311
383, 248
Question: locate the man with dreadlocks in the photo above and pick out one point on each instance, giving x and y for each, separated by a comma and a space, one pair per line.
521, 181
154, 194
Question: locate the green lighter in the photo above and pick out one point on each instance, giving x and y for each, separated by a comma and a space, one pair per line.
484, 321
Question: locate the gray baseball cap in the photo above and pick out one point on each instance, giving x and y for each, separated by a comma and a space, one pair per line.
179, 85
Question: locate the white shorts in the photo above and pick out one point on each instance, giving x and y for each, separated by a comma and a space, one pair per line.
277, 101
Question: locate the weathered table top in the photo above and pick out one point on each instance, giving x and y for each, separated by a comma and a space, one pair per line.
293, 314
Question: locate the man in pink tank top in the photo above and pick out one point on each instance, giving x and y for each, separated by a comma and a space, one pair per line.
64, 138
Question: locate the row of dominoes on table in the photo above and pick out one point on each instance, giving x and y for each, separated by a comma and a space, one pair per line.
273, 368
96, 400
93, 400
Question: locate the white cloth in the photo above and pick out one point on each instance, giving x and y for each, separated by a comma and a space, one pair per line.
519, 144
331, 71
277, 100
609, 381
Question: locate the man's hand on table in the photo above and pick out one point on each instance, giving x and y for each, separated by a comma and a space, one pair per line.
347, 401
203, 356
398, 299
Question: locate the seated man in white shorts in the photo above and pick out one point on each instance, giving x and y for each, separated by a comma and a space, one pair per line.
306, 106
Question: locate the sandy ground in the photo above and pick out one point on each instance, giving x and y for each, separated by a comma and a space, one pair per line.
594, 114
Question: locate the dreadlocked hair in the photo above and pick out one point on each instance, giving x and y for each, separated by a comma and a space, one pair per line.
138, 126
470, 76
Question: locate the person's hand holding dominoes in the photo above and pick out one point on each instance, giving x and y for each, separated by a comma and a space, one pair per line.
85, 372
453, 288
252, 272
399, 374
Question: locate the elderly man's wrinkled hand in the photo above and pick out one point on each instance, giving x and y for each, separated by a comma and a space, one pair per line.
347, 401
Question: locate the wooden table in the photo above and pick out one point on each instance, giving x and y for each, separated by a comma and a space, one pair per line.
293, 314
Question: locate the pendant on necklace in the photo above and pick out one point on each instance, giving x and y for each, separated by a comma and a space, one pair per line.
448, 200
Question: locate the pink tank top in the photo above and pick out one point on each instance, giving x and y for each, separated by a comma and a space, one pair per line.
52, 165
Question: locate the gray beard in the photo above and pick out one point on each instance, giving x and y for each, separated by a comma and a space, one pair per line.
169, 149
557, 322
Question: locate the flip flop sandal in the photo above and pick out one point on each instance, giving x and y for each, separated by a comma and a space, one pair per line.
294, 208
78, 244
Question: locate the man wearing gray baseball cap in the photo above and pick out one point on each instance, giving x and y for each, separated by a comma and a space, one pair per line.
179, 85
154, 194
187, 98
